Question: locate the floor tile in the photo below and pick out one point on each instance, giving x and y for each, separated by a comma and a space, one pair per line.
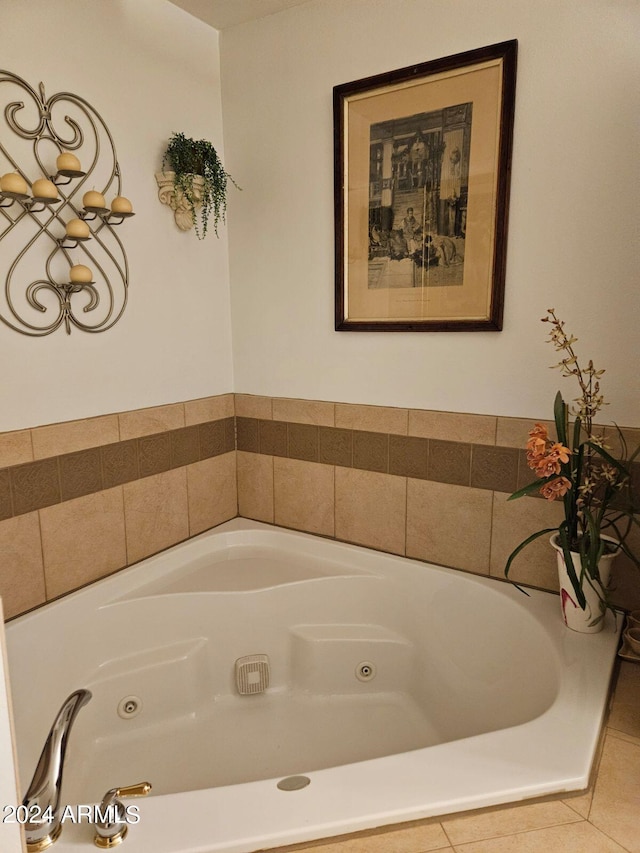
414, 839
580, 804
624, 736
507, 821
625, 712
616, 799
571, 838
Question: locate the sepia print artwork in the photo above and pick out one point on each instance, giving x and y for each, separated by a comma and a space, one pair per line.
422, 173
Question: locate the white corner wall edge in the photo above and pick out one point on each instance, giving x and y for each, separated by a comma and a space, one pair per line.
10, 837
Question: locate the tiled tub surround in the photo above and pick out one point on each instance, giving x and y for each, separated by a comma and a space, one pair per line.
427, 485
82, 499
413, 509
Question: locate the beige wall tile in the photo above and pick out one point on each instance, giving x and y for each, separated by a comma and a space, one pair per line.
513, 521
616, 798
304, 495
626, 575
630, 436
453, 426
303, 411
83, 540
255, 486
450, 525
371, 509
70, 436
139, 422
21, 571
156, 513
15, 448
252, 406
506, 821
372, 418
209, 409
213, 493
514, 432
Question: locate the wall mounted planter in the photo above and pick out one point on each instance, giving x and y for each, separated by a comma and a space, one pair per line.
169, 194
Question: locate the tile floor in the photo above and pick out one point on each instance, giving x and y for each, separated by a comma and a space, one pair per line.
605, 819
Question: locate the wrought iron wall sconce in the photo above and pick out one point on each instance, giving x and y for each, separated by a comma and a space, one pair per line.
43, 222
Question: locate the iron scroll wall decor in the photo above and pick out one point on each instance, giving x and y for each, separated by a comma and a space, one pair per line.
61, 258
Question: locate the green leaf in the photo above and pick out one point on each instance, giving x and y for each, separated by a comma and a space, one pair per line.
625, 548
591, 557
573, 472
568, 562
526, 490
560, 409
608, 457
577, 428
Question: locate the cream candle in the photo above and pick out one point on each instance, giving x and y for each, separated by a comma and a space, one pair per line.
43, 188
120, 204
79, 274
93, 199
67, 162
12, 182
77, 229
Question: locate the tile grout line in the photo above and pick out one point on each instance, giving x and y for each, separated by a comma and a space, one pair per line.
124, 517
44, 573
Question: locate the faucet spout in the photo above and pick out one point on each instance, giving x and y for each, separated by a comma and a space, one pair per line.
42, 799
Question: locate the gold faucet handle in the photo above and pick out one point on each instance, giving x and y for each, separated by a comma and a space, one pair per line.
141, 789
111, 831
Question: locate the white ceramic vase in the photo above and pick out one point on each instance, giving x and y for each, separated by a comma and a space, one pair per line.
585, 620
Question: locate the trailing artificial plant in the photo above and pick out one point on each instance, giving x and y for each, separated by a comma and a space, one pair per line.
188, 157
579, 469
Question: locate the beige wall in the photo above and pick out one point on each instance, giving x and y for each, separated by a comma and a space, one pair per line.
149, 69
573, 213
82, 499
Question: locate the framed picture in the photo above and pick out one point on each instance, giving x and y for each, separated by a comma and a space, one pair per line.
422, 171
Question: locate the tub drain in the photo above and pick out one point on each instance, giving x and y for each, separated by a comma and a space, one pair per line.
129, 707
293, 783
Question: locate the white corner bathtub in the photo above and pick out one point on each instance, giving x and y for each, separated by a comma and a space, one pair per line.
472, 694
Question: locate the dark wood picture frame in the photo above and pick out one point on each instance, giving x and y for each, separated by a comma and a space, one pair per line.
433, 139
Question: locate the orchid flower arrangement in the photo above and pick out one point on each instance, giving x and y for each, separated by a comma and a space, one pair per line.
578, 468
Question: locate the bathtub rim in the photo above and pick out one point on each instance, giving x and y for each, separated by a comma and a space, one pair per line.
321, 810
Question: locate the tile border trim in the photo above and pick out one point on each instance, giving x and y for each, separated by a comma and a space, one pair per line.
35, 485
457, 463
32, 485
491, 467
